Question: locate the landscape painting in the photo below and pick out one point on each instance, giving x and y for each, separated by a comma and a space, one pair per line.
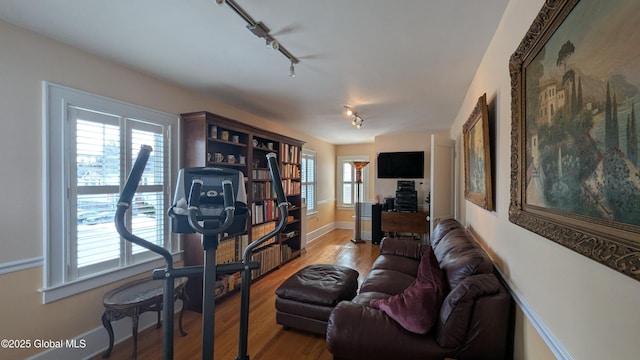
581, 120
576, 106
477, 156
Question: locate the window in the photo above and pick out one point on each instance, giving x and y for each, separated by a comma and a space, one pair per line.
347, 180
348, 184
91, 144
309, 179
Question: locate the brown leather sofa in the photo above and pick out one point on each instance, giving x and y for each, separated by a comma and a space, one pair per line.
473, 321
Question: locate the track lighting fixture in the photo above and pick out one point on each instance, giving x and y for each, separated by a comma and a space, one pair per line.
262, 31
357, 119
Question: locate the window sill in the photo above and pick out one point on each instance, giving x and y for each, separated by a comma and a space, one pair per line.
53, 293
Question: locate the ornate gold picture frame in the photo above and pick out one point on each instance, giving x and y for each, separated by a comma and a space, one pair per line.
575, 163
477, 156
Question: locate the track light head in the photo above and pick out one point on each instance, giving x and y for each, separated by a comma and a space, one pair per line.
273, 43
292, 71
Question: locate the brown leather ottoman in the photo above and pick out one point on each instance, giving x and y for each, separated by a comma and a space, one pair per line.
305, 300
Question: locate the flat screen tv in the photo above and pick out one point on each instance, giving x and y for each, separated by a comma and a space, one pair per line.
401, 165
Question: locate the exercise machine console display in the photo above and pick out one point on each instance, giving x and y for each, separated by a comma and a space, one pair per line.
210, 199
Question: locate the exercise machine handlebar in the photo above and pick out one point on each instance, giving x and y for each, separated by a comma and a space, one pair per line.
283, 206
136, 174
124, 203
277, 180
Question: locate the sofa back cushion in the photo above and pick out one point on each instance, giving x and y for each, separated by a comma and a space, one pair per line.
461, 256
458, 306
401, 264
443, 227
405, 248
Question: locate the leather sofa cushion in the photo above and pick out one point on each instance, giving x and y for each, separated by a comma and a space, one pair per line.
386, 281
401, 264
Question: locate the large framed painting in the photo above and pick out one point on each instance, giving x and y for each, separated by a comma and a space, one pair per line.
575, 164
477, 156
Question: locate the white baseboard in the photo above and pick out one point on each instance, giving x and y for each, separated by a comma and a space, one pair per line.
96, 341
346, 225
323, 230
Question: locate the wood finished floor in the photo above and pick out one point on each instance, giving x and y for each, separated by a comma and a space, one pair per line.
267, 340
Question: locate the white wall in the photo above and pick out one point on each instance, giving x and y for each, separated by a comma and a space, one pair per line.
588, 310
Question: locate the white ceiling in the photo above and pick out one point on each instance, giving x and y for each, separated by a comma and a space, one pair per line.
404, 65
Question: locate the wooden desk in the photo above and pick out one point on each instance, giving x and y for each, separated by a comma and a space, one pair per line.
406, 222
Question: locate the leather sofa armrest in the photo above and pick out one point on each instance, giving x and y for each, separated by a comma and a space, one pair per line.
398, 247
481, 297
357, 331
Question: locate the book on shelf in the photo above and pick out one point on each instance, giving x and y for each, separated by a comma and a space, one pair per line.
289, 234
291, 187
287, 252
261, 230
289, 153
227, 283
226, 252
263, 211
263, 190
261, 174
269, 257
290, 171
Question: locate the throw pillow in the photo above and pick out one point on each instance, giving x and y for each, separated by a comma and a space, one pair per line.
416, 308
429, 270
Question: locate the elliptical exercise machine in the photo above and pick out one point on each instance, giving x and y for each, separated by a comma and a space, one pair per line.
211, 209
